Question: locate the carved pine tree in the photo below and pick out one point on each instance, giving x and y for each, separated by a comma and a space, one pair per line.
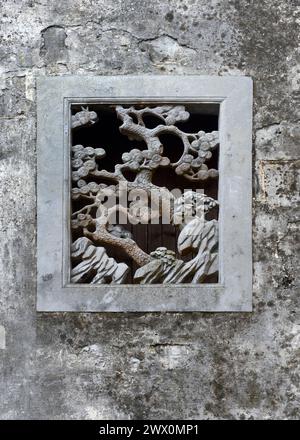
92, 185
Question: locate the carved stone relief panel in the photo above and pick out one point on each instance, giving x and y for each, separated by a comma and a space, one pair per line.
113, 185
144, 193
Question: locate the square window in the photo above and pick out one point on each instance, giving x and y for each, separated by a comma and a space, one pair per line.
144, 193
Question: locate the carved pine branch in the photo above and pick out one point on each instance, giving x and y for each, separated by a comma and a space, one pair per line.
84, 118
197, 147
129, 246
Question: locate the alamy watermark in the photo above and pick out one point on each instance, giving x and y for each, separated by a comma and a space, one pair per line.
126, 205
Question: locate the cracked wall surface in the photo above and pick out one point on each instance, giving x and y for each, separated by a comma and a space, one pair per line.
189, 365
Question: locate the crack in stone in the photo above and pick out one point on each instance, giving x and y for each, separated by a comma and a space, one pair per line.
183, 45
141, 39
169, 344
275, 123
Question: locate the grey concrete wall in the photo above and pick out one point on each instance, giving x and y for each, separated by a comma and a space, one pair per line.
212, 366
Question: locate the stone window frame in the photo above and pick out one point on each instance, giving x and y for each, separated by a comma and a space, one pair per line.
55, 95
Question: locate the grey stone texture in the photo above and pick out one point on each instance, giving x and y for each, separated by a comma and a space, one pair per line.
153, 365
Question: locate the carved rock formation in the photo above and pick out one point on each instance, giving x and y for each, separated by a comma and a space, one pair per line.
95, 262
165, 268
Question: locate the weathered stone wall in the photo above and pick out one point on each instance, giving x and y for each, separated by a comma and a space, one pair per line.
211, 366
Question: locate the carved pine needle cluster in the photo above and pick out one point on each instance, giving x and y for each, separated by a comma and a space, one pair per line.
92, 185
